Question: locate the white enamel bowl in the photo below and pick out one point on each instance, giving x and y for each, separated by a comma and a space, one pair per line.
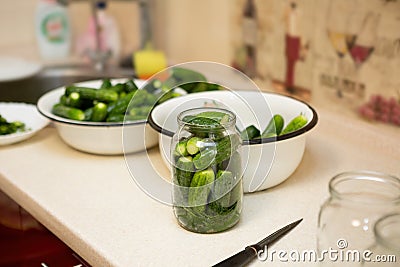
103, 138
266, 162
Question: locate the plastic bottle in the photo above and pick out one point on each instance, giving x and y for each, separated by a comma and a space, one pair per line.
109, 37
52, 30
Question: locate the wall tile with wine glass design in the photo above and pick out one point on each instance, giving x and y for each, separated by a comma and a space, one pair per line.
360, 58
345, 53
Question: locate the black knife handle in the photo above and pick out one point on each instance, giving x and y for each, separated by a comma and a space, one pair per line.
242, 258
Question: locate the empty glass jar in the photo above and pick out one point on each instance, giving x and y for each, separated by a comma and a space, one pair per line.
386, 249
357, 200
207, 172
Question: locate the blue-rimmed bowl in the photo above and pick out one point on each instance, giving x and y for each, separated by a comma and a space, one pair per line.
105, 138
266, 162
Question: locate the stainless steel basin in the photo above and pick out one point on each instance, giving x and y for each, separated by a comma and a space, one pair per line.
30, 89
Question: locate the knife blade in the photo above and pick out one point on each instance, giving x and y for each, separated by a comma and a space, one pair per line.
245, 256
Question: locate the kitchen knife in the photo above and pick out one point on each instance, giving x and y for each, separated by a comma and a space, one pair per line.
245, 256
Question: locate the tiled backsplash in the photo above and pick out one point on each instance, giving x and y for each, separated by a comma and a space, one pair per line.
341, 50
370, 62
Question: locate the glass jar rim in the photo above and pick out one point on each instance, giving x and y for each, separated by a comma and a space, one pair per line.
364, 176
227, 124
385, 221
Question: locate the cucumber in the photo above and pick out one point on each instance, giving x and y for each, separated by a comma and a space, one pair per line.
181, 148
226, 146
221, 210
202, 87
153, 86
195, 87
219, 117
201, 121
130, 86
200, 187
121, 95
214, 87
144, 111
123, 117
99, 112
217, 154
115, 118
106, 84
236, 192
185, 163
188, 118
119, 88
193, 145
10, 127
168, 95
250, 132
141, 98
274, 127
74, 100
204, 223
188, 75
120, 106
232, 164
150, 100
88, 114
64, 100
188, 87
205, 158
68, 112
295, 124
222, 186
184, 171
186, 78
102, 95
135, 118
210, 120
199, 87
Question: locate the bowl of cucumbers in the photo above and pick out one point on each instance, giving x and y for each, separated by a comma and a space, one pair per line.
92, 116
110, 117
273, 128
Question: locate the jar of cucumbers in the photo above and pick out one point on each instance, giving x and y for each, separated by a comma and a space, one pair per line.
207, 172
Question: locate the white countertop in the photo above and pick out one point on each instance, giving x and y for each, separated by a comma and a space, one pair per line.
95, 207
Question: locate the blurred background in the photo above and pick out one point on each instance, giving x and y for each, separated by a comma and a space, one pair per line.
341, 53
184, 30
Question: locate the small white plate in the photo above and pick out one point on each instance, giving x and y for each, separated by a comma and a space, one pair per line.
12, 68
26, 113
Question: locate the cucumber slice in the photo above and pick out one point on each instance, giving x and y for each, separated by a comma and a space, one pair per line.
193, 145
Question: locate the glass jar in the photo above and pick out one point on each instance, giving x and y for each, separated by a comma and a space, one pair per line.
207, 172
386, 249
357, 200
